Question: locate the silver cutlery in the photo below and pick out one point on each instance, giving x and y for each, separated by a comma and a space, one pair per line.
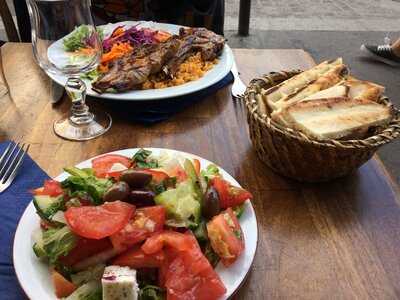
10, 162
238, 87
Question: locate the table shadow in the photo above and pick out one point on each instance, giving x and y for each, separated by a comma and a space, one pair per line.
343, 201
153, 113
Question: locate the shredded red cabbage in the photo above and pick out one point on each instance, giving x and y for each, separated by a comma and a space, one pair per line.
134, 35
90, 41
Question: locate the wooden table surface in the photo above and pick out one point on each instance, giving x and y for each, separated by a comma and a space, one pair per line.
336, 240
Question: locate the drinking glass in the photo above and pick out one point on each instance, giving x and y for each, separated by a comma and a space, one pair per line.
66, 43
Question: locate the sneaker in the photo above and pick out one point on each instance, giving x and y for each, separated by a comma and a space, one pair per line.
382, 53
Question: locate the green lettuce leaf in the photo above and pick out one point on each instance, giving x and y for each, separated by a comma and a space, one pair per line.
210, 172
58, 242
83, 180
76, 40
141, 158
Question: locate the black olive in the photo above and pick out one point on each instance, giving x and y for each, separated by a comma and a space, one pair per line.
211, 204
118, 191
135, 179
142, 198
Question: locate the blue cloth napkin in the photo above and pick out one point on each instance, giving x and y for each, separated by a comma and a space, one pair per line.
151, 112
13, 202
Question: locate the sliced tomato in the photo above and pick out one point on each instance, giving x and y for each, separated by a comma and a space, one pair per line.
97, 222
158, 176
179, 173
169, 238
229, 195
162, 271
189, 275
145, 222
136, 258
197, 166
50, 188
226, 236
63, 287
222, 188
85, 248
186, 273
238, 195
103, 164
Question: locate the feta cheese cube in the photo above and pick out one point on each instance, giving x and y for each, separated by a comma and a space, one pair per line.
119, 283
117, 167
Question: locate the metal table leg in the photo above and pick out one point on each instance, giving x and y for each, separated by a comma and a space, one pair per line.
244, 17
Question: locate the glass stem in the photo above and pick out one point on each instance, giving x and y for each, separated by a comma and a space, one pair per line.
76, 90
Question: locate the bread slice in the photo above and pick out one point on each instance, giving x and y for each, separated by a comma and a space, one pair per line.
335, 118
298, 82
329, 79
332, 92
364, 90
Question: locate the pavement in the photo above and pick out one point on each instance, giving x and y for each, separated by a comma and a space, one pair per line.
332, 15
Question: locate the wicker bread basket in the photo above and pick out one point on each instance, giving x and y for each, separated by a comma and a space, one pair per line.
293, 154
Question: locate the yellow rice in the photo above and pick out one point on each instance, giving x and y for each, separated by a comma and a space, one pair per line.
191, 69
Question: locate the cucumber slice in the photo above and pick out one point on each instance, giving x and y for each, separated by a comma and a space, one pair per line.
38, 248
92, 273
182, 205
191, 172
90, 290
47, 206
59, 218
39, 251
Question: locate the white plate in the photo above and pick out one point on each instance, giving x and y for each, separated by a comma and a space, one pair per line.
214, 75
34, 275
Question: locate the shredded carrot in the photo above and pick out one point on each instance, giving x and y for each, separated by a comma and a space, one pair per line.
85, 51
117, 50
119, 31
103, 68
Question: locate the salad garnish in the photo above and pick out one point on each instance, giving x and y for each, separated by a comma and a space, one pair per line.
120, 42
146, 227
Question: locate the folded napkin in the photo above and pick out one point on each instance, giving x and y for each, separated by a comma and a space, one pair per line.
13, 202
151, 112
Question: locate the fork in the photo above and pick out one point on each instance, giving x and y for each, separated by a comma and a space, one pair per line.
238, 87
10, 162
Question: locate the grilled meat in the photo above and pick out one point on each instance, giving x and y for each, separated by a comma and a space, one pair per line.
202, 40
131, 70
185, 50
207, 42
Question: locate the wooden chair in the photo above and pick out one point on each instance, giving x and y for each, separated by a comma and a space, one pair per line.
8, 22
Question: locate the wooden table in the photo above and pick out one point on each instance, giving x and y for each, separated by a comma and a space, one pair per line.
334, 240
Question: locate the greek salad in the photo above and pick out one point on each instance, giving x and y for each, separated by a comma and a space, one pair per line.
142, 227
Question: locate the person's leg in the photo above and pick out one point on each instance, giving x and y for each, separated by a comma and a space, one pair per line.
389, 54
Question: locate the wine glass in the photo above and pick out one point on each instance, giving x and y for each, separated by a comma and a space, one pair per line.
66, 42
